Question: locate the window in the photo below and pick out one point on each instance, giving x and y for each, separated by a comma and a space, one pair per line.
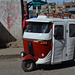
72, 30
38, 27
67, 6
73, 6
59, 32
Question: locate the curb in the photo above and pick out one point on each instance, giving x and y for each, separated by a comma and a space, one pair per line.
9, 56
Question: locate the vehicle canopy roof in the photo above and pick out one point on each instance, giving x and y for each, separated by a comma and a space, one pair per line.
45, 19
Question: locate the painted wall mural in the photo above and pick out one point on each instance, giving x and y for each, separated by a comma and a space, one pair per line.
9, 10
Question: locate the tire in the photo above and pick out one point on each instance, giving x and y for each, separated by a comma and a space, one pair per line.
28, 65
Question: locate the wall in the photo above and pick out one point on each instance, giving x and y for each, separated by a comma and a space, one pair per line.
58, 8
70, 4
44, 9
10, 21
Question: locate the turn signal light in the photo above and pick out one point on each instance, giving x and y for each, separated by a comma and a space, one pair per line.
43, 43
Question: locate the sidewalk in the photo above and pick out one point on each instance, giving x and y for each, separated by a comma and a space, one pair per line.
10, 53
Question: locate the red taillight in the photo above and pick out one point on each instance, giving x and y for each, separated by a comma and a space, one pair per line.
43, 43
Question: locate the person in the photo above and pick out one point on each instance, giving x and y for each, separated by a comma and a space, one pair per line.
25, 23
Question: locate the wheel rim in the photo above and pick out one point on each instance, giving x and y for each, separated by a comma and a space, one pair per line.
28, 65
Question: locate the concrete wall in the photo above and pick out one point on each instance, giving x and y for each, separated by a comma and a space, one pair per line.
10, 21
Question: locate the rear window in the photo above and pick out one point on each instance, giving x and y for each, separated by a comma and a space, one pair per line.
72, 30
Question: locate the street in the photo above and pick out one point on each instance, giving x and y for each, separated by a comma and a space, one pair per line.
39, 30
12, 66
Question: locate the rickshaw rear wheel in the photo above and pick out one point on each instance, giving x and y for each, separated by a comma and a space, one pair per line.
28, 65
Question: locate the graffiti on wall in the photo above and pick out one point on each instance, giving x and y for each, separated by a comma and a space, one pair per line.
9, 12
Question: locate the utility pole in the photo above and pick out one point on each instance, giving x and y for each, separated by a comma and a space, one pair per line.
47, 5
22, 9
45, 0
57, 2
37, 11
63, 1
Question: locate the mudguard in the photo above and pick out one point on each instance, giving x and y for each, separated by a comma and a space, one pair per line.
29, 57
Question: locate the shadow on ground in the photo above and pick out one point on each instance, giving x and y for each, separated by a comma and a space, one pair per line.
57, 66
5, 36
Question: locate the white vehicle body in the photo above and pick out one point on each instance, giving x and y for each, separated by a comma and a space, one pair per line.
62, 35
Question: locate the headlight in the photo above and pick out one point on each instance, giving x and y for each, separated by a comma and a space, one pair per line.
22, 54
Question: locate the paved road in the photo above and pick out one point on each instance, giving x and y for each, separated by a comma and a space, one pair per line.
13, 67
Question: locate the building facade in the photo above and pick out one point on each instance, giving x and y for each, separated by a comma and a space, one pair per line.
69, 4
59, 8
48, 8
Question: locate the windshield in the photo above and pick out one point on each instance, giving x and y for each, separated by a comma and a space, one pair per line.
37, 27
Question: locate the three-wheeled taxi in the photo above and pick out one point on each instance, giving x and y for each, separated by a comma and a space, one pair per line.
48, 41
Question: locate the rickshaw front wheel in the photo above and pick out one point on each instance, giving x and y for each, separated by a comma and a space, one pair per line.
28, 65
